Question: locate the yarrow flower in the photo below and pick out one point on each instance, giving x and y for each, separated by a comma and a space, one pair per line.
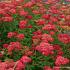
25, 59
28, 28
47, 38
40, 22
29, 4
22, 24
14, 45
12, 11
20, 36
61, 61
7, 65
11, 34
23, 13
46, 16
22, 62
49, 27
45, 48
65, 38
5, 45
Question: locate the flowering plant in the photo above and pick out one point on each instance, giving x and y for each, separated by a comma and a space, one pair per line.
34, 35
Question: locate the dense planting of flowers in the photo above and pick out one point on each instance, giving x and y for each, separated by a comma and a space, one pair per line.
35, 35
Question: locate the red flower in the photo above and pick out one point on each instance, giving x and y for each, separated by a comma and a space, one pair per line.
22, 24
60, 53
13, 11
41, 22
49, 27
47, 38
39, 32
20, 36
14, 45
46, 16
45, 48
61, 61
54, 19
10, 35
5, 45
29, 16
52, 33
30, 26
29, 4
25, 59
35, 11
65, 38
20, 65
23, 13
57, 47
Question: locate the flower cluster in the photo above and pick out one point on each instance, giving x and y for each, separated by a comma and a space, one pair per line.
65, 38
14, 45
45, 48
61, 60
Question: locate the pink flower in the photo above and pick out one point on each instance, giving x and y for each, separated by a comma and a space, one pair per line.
54, 19
49, 27
23, 13
20, 36
20, 65
10, 64
54, 11
5, 45
41, 22
57, 47
60, 53
65, 38
52, 33
25, 59
22, 24
13, 11
30, 26
46, 16
35, 11
62, 16
10, 48
36, 37
10, 35
61, 61
14, 45
45, 48
3, 66
47, 38
29, 4
29, 16
39, 32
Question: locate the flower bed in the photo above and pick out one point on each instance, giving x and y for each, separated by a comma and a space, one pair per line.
35, 35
